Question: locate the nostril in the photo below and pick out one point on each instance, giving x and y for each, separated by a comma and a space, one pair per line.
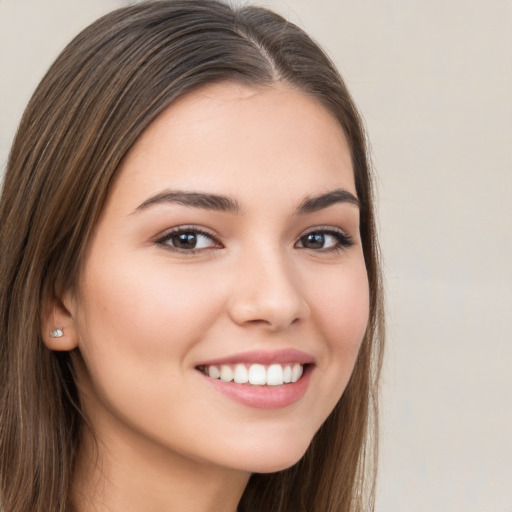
273, 302
272, 324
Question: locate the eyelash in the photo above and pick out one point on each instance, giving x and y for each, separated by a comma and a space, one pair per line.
187, 230
343, 240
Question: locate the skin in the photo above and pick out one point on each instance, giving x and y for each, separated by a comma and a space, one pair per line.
147, 313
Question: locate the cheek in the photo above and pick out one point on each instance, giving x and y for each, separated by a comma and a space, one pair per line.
342, 308
137, 326
342, 312
147, 308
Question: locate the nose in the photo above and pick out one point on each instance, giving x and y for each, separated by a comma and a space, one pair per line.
267, 292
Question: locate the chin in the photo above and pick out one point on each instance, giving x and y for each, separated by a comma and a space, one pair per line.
270, 459
273, 465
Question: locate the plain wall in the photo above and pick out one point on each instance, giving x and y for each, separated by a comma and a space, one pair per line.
433, 80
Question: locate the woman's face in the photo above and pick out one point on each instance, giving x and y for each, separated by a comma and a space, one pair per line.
228, 249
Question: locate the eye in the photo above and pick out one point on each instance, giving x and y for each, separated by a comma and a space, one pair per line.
325, 240
188, 239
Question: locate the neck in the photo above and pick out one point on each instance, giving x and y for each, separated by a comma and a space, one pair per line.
118, 475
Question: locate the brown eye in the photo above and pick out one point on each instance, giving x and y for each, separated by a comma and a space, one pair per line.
326, 240
188, 240
313, 241
184, 241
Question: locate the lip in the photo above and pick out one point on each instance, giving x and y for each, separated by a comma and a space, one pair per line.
265, 357
263, 397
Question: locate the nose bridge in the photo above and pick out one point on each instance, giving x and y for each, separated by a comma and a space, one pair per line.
267, 290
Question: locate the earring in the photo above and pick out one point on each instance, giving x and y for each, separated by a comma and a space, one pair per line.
57, 333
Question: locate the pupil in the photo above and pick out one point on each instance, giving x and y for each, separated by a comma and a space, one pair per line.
315, 240
186, 240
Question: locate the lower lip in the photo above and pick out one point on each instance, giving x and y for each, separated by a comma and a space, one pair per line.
264, 397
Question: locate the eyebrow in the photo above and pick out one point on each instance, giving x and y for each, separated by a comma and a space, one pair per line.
229, 205
193, 199
316, 203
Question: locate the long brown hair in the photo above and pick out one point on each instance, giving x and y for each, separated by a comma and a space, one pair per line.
104, 89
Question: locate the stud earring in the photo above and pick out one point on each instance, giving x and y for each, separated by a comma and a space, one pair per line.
57, 333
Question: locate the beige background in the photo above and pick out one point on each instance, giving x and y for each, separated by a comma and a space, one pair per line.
434, 82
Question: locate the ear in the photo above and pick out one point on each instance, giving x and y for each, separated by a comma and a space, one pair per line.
58, 325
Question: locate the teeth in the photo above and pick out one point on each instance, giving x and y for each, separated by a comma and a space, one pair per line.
241, 374
226, 373
275, 375
296, 372
213, 372
257, 374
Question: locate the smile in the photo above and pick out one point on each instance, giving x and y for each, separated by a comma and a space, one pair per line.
255, 374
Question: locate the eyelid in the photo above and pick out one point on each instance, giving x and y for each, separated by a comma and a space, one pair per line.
163, 238
345, 240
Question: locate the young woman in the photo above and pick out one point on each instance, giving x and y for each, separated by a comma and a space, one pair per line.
190, 297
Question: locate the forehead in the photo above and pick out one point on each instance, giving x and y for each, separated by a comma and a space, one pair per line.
225, 135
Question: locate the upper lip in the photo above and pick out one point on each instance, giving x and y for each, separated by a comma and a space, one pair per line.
267, 357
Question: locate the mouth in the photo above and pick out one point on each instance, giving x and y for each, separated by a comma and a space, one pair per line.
260, 379
276, 374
